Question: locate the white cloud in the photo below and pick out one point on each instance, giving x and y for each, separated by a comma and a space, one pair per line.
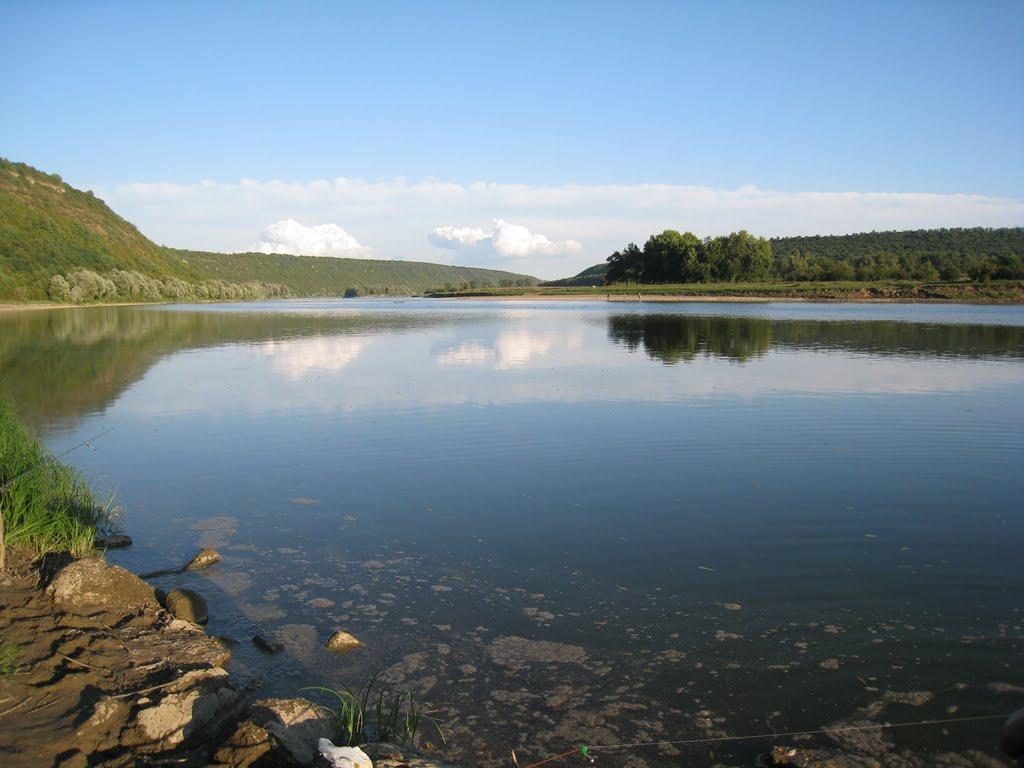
394, 214
457, 237
289, 236
511, 241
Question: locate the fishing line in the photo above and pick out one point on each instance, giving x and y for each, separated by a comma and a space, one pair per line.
586, 751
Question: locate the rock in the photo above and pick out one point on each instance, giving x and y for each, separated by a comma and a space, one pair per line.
113, 541
1011, 737
267, 645
296, 723
90, 586
203, 559
192, 707
343, 757
187, 605
343, 642
245, 746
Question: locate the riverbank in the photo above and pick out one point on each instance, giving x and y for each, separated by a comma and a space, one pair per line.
97, 672
896, 291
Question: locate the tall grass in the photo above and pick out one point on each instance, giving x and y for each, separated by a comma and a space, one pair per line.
375, 714
46, 506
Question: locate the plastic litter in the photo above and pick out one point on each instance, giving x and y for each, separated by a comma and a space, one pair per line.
344, 757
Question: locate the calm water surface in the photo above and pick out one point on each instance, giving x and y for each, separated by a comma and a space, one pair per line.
720, 519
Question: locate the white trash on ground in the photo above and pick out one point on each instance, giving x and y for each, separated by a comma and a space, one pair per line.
344, 757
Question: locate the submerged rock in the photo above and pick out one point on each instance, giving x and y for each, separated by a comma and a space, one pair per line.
264, 644
203, 559
90, 586
297, 724
187, 605
515, 651
113, 541
343, 642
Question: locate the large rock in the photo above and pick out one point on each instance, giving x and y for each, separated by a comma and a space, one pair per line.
189, 709
113, 541
203, 559
187, 605
247, 744
297, 724
90, 586
343, 642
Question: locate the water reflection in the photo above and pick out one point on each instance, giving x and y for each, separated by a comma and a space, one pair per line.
674, 338
63, 364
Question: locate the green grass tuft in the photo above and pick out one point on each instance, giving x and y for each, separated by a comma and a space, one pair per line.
375, 714
46, 506
8, 659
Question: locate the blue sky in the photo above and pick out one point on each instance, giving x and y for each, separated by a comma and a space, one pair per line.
144, 101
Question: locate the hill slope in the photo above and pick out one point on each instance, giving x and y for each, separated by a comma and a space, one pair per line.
48, 227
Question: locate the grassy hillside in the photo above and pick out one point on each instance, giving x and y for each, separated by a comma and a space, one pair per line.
49, 228
319, 276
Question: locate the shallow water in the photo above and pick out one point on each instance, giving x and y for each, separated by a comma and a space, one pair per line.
727, 519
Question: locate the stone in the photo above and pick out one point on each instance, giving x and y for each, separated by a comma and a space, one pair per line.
297, 724
203, 559
247, 744
192, 707
90, 585
1011, 737
269, 646
113, 541
187, 605
343, 642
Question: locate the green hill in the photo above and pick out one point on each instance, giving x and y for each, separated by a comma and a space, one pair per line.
49, 228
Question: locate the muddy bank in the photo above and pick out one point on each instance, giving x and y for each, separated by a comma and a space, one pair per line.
102, 675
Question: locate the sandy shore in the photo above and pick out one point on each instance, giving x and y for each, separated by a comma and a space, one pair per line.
33, 305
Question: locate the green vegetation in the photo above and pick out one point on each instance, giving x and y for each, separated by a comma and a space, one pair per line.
319, 276
989, 292
372, 714
8, 659
83, 286
924, 255
49, 229
45, 506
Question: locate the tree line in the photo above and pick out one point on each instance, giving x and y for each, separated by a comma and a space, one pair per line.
977, 254
83, 286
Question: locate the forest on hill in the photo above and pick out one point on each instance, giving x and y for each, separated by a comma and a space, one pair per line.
64, 244
977, 254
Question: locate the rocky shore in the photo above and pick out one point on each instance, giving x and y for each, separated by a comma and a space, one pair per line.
105, 675
108, 672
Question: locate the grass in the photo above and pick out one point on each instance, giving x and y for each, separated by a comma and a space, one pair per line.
8, 659
45, 506
374, 714
995, 291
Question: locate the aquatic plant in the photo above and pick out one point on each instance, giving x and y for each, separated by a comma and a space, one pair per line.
8, 659
45, 506
375, 714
